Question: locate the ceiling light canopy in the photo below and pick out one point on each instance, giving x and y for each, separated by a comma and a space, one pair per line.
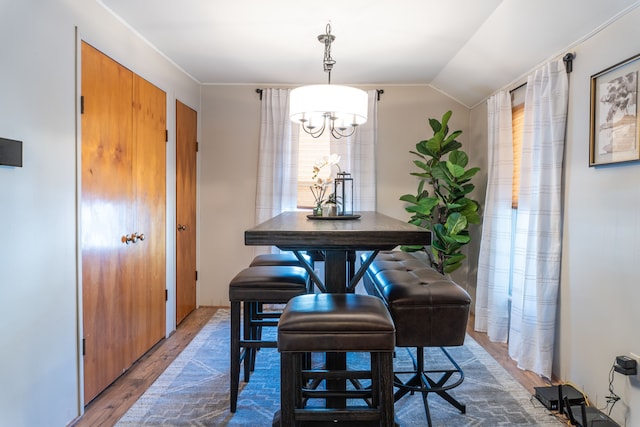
341, 109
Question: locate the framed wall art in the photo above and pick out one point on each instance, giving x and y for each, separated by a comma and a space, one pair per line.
614, 114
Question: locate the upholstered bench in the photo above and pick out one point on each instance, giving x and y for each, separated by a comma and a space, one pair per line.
249, 289
428, 310
336, 323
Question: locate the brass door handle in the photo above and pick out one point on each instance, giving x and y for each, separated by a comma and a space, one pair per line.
132, 238
182, 227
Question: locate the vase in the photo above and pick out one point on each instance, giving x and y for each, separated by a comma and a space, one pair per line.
317, 211
329, 209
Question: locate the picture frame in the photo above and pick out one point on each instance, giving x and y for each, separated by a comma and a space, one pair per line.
615, 124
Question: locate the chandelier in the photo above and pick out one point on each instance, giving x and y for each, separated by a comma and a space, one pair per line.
318, 107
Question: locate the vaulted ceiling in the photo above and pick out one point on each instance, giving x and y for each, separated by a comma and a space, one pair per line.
467, 49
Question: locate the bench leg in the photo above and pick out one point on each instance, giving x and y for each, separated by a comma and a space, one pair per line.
421, 382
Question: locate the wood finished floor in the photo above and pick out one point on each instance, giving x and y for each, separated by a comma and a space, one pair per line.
113, 403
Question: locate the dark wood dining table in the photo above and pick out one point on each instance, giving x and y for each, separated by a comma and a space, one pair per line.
336, 238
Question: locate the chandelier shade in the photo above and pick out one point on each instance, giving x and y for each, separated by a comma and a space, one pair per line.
341, 109
345, 106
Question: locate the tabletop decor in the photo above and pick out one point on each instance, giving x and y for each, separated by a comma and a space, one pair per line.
322, 181
446, 211
343, 194
614, 117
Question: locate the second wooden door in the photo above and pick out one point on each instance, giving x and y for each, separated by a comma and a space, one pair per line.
186, 148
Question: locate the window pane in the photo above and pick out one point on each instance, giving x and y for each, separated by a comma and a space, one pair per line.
517, 121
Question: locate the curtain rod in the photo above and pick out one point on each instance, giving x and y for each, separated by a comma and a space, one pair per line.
568, 66
568, 61
379, 92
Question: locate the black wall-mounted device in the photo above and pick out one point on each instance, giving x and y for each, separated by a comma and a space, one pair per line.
10, 152
625, 365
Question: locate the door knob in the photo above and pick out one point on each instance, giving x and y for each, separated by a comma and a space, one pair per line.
127, 239
182, 227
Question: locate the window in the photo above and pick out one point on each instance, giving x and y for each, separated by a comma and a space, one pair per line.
517, 126
517, 119
310, 150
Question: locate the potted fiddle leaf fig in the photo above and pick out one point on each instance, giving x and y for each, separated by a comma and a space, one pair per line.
441, 203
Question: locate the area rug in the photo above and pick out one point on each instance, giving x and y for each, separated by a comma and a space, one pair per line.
194, 390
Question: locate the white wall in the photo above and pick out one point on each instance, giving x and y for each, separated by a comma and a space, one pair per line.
599, 292
39, 356
600, 289
229, 157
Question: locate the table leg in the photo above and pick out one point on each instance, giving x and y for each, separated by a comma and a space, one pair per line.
335, 271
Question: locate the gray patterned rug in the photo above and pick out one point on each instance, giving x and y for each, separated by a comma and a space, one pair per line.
194, 390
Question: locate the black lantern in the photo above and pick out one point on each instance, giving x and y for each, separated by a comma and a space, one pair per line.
343, 189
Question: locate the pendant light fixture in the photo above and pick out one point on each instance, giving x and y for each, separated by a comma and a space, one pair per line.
341, 109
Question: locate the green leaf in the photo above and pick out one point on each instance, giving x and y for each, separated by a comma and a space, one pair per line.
455, 170
451, 268
452, 138
445, 118
422, 165
435, 125
462, 239
459, 158
473, 218
441, 172
453, 259
456, 222
470, 173
409, 198
411, 248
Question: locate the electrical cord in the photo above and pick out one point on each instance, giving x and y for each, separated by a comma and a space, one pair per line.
612, 398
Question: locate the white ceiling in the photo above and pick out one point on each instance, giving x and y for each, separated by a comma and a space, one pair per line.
467, 49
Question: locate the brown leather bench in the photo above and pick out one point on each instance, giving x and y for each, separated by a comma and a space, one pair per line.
428, 310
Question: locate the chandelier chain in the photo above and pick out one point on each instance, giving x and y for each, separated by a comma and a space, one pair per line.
328, 61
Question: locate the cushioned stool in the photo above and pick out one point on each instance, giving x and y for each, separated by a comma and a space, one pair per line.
428, 310
336, 323
251, 287
284, 259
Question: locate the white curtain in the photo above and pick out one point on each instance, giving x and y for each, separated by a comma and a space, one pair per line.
494, 262
276, 189
523, 259
538, 236
357, 156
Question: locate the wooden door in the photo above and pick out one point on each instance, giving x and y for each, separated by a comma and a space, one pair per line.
149, 251
186, 148
123, 204
105, 216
